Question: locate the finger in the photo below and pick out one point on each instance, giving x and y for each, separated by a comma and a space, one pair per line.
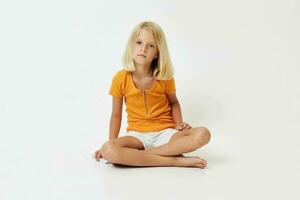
95, 155
188, 125
98, 156
185, 125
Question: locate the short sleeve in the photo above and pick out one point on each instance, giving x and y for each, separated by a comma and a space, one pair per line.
116, 85
170, 87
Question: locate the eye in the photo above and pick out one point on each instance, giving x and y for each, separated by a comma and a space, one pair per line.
152, 46
139, 42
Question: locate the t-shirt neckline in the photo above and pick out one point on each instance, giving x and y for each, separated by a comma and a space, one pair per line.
139, 89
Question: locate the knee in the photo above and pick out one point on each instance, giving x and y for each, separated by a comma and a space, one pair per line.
202, 135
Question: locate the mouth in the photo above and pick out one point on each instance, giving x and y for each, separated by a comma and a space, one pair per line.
141, 55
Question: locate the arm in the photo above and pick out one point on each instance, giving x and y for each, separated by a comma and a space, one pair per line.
176, 110
116, 117
115, 122
176, 113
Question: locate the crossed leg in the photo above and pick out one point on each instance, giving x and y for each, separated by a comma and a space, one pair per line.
128, 150
183, 142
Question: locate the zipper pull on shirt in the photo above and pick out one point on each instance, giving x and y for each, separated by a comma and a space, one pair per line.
146, 105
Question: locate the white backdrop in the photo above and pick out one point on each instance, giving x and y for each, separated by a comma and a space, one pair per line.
236, 71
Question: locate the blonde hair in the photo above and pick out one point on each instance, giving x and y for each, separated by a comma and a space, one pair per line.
161, 67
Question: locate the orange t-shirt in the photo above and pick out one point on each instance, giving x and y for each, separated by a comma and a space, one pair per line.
147, 110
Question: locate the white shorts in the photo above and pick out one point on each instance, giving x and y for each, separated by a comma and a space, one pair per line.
153, 139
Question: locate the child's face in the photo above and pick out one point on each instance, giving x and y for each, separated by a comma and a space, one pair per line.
144, 49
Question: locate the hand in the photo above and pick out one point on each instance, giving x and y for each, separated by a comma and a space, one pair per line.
98, 155
183, 126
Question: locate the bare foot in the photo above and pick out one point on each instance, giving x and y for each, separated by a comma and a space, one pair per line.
194, 161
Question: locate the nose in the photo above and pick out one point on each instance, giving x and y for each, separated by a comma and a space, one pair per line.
143, 48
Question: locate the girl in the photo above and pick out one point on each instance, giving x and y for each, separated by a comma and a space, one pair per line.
156, 134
